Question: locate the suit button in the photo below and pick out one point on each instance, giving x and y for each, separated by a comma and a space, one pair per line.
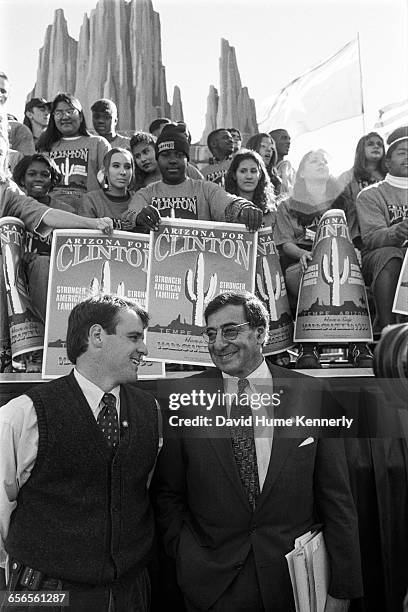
252, 529
239, 566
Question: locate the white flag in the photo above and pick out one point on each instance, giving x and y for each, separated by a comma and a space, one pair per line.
325, 94
391, 117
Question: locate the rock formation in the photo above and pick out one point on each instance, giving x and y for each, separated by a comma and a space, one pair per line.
232, 107
118, 56
176, 111
57, 60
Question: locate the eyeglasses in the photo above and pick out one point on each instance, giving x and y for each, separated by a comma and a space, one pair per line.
230, 332
71, 112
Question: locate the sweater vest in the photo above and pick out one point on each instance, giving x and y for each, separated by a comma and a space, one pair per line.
84, 513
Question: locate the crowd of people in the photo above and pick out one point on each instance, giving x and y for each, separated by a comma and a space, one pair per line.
90, 465
91, 181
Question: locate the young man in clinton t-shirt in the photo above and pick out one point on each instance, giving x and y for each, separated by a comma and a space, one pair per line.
178, 196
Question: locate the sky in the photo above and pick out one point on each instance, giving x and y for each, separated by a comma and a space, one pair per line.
275, 41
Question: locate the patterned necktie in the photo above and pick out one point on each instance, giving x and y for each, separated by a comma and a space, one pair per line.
108, 420
243, 445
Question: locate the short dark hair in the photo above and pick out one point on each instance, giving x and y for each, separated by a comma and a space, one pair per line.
255, 312
23, 165
277, 131
103, 310
139, 175
145, 137
104, 105
212, 137
158, 122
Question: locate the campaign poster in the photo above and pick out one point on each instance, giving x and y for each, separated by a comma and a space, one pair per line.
401, 294
189, 264
85, 263
332, 304
270, 288
17, 319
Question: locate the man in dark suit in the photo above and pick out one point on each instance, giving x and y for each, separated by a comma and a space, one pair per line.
231, 504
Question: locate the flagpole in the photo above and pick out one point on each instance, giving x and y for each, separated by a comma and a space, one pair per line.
361, 81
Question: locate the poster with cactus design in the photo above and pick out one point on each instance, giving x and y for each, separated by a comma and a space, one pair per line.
270, 288
401, 294
332, 302
21, 331
190, 263
85, 263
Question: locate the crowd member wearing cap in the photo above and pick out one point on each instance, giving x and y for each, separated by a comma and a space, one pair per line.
36, 116
156, 126
105, 120
221, 145
19, 136
142, 145
77, 153
179, 196
382, 211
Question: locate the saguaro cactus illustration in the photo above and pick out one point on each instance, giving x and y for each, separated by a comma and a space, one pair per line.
331, 272
265, 288
194, 289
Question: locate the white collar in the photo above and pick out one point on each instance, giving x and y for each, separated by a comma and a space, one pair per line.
93, 394
397, 181
259, 377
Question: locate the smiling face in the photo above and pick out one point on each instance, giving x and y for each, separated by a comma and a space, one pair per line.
397, 161
145, 157
247, 177
37, 179
237, 357
119, 173
123, 350
67, 119
173, 166
373, 148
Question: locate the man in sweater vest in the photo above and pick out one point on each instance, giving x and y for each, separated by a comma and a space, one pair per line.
76, 456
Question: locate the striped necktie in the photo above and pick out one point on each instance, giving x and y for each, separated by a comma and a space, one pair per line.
243, 444
108, 420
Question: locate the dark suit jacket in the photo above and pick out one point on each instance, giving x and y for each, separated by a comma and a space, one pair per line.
208, 524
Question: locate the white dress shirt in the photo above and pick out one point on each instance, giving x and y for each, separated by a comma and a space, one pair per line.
260, 382
19, 446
